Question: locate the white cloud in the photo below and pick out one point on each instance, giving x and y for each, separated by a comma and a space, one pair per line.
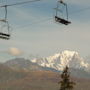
15, 51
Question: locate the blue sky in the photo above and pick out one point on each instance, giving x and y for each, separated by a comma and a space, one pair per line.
34, 31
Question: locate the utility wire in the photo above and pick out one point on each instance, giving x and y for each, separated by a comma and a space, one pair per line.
81, 10
75, 12
37, 22
19, 3
72, 13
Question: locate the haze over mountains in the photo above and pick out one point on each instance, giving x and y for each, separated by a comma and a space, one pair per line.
54, 63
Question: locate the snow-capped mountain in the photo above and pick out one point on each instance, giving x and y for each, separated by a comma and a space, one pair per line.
60, 60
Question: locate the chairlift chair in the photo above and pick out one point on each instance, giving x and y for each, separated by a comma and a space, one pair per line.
5, 35
4, 30
58, 18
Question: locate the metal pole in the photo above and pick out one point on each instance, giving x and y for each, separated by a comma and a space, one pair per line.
66, 12
5, 12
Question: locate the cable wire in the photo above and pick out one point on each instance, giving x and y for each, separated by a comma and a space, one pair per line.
20, 3
37, 22
82, 10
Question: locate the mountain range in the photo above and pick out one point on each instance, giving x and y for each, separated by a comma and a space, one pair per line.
56, 63
26, 65
44, 73
14, 79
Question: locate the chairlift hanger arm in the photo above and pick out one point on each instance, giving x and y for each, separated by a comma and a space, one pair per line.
19, 3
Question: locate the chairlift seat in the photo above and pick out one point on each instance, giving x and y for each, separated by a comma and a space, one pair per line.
63, 21
4, 36
3, 20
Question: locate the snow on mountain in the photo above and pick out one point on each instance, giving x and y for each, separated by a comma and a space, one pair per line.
60, 60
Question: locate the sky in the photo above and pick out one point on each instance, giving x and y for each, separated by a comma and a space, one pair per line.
35, 33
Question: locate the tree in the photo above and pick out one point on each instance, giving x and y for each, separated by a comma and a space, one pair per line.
66, 83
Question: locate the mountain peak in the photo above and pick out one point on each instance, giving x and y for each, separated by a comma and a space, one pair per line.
69, 53
60, 60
